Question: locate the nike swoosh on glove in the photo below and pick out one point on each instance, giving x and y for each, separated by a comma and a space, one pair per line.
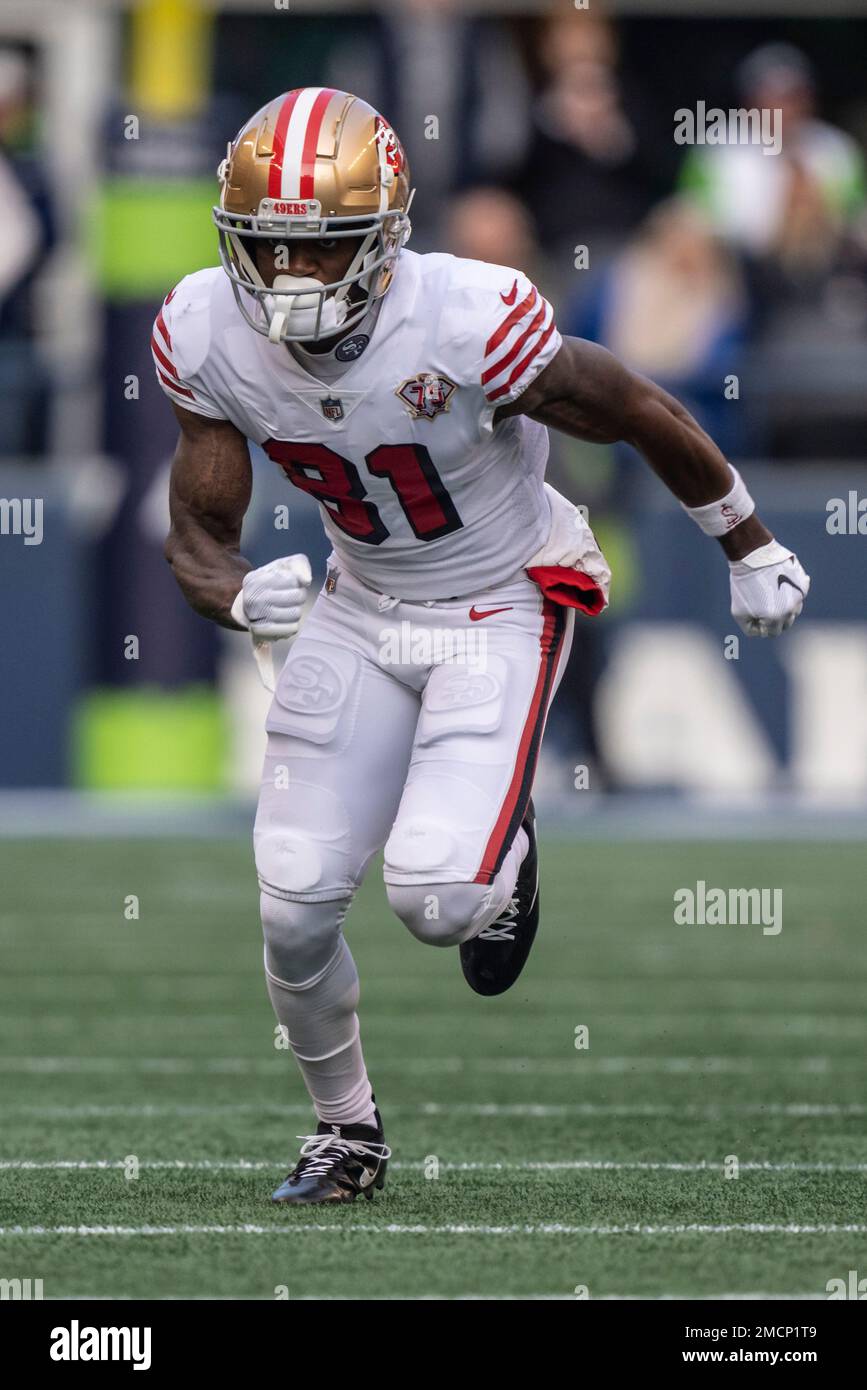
769, 588
570, 568
272, 598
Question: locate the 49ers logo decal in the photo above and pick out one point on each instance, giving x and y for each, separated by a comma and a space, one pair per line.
389, 144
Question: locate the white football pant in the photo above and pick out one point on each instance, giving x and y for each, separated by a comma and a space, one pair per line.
411, 725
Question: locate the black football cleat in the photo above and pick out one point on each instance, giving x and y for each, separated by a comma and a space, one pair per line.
337, 1163
493, 960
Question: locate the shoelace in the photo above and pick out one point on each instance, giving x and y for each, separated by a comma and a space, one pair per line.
504, 927
319, 1152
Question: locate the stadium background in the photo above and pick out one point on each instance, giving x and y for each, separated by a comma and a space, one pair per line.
676, 757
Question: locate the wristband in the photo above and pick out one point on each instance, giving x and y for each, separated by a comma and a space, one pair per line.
718, 518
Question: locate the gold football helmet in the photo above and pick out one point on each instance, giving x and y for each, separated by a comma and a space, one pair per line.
318, 163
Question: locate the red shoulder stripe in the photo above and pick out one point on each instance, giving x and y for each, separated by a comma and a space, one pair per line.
175, 385
161, 357
516, 347
508, 323
161, 325
522, 366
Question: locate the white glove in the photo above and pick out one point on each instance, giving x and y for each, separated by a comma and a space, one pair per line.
769, 587
272, 599
571, 543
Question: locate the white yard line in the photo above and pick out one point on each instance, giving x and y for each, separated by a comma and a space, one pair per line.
790, 1109
714, 1021
798, 1109
290, 1228
575, 1064
442, 1298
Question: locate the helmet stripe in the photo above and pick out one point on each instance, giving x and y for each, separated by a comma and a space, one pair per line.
275, 169
311, 140
294, 144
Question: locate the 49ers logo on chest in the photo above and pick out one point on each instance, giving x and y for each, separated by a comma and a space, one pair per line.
426, 395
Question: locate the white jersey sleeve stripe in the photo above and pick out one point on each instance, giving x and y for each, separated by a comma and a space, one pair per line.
173, 388
530, 349
161, 359
168, 376
540, 354
509, 323
535, 325
521, 345
168, 372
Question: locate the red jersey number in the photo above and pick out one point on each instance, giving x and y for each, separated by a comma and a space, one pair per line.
335, 482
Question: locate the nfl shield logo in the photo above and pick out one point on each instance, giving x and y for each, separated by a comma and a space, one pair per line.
332, 408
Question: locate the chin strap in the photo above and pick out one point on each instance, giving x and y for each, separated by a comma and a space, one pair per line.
362, 260
246, 260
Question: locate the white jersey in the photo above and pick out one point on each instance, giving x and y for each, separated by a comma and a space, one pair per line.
421, 495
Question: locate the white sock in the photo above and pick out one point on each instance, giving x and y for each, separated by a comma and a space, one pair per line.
322, 1027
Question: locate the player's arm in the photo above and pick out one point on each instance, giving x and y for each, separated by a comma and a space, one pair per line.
210, 489
586, 392
211, 483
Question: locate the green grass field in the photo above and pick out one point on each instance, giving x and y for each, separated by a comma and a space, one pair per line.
154, 1039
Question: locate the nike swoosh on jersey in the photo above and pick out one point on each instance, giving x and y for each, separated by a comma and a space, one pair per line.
511, 296
476, 616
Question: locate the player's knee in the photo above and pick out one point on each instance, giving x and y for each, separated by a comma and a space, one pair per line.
436, 912
439, 914
290, 861
302, 837
300, 937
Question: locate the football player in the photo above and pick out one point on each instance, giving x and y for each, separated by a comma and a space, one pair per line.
411, 396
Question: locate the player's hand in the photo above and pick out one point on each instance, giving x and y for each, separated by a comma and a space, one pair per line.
571, 543
769, 588
272, 599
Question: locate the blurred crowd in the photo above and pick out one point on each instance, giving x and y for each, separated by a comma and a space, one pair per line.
538, 144
26, 241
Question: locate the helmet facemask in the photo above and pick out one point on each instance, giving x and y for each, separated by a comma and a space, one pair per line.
298, 308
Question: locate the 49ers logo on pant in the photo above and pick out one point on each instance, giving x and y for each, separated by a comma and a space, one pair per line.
426, 395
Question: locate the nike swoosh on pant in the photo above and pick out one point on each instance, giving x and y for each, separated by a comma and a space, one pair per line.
476, 616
